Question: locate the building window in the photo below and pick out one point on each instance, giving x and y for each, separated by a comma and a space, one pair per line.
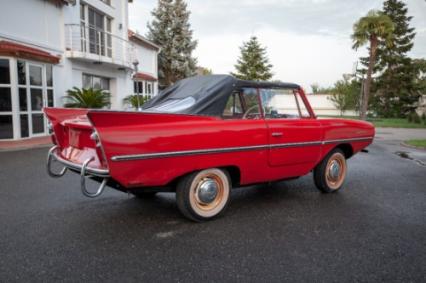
108, 37
96, 31
149, 90
4, 71
143, 87
138, 87
83, 29
22, 73
5, 99
6, 127
6, 121
96, 82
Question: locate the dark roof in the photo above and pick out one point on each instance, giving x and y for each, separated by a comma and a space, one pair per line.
209, 94
257, 84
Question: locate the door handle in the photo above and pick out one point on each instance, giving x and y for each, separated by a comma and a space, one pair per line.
277, 134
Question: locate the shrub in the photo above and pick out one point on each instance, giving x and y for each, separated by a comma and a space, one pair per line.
86, 98
416, 118
136, 101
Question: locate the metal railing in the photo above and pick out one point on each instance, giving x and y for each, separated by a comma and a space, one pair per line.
105, 46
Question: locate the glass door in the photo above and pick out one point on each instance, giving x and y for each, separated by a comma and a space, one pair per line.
35, 91
36, 99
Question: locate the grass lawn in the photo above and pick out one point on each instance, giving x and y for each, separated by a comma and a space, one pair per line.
387, 122
395, 123
417, 143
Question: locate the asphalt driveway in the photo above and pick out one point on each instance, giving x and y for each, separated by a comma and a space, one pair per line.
372, 230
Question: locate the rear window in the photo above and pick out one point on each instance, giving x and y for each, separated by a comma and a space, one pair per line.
173, 105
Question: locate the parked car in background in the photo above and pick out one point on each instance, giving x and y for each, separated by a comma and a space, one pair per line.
203, 136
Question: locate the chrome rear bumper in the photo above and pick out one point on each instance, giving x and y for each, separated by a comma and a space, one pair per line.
103, 173
83, 169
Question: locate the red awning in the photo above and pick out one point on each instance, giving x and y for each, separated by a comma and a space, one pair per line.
8, 48
144, 77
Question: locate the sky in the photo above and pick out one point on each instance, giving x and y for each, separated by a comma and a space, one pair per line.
307, 41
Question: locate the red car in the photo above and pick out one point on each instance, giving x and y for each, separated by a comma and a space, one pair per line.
201, 137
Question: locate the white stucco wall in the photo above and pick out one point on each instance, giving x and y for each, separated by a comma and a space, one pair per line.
34, 22
147, 60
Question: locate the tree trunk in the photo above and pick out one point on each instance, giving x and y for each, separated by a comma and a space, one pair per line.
367, 85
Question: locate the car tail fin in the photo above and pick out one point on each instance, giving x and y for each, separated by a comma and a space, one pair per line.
56, 117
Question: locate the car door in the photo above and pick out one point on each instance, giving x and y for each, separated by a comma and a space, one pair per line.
295, 137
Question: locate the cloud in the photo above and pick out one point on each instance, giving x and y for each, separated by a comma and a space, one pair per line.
304, 59
308, 40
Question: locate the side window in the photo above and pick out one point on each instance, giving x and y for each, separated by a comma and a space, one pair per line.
233, 108
282, 103
243, 104
250, 103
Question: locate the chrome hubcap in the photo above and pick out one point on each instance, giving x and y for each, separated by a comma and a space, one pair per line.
207, 191
335, 170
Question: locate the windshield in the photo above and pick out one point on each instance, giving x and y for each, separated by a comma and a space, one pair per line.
283, 103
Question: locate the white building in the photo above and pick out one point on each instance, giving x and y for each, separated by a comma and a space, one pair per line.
50, 46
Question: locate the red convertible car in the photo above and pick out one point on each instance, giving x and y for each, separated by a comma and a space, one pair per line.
201, 137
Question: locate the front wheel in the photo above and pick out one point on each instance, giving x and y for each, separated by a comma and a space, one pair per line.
203, 195
330, 174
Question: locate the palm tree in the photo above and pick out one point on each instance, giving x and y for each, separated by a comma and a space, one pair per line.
87, 98
371, 29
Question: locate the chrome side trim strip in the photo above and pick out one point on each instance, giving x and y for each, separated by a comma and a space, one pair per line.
295, 144
348, 140
228, 149
186, 153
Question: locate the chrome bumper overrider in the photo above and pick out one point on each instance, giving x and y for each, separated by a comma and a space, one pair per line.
84, 170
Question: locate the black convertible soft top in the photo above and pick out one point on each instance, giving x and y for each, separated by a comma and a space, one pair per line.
203, 95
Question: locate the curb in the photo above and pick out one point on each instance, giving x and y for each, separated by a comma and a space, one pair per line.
412, 146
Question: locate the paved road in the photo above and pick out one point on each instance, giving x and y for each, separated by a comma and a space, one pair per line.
373, 230
392, 138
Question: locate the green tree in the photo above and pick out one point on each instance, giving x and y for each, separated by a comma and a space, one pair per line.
253, 63
317, 89
345, 95
396, 86
202, 71
371, 29
86, 98
171, 30
419, 66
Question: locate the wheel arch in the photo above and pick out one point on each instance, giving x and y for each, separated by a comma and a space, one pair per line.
346, 148
233, 171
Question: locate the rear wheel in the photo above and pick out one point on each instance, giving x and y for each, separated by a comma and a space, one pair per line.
203, 195
330, 174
